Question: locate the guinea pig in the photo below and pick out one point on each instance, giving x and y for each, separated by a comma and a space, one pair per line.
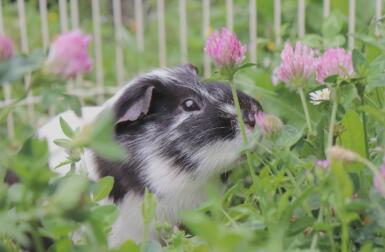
179, 133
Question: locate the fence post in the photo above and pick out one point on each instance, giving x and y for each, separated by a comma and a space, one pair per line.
25, 49
44, 23
117, 11
74, 14
301, 18
99, 71
139, 24
277, 22
206, 31
230, 14
183, 31
63, 15
161, 33
253, 31
326, 8
378, 16
352, 23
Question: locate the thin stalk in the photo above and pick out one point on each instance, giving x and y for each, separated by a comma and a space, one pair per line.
241, 125
332, 119
305, 110
345, 237
379, 99
315, 237
364, 122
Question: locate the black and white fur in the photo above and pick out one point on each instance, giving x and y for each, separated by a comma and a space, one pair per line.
172, 149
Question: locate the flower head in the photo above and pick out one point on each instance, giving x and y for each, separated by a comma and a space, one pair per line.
335, 61
269, 124
379, 181
340, 153
68, 55
298, 65
325, 164
319, 96
7, 50
224, 48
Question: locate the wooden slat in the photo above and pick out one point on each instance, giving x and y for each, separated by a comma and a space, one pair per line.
117, 9
277, 21
99, 71
230, 15
253, 31
74, 14
326, 8
378, 16
352, 23
301, 18
139, 24
63, 15
206, 31
161, 33
44, 23
25, 49
183, 31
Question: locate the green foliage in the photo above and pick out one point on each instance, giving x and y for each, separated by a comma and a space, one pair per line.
15, 68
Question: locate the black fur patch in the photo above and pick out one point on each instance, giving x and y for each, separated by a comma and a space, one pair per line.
126, 175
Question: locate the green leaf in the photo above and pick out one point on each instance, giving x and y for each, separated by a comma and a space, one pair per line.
148, 207
342, 183
65, 143
313, 40
332, 25
103, 188
129, 245
289, 136
16, 67
67, 130
353, 136
68, 194
331, 79
360, 63
106, 214
101, 138
74, 104
376, 72
245, 65
152, 246
336, 41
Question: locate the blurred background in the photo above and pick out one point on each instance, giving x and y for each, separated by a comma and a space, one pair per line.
133, 36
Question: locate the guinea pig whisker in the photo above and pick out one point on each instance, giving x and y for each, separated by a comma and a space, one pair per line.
210, 129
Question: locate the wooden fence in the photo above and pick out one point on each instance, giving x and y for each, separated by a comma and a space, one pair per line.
72, 21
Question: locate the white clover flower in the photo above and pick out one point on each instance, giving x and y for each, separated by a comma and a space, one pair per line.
319, 96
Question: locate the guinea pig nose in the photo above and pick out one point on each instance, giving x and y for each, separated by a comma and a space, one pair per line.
250, 120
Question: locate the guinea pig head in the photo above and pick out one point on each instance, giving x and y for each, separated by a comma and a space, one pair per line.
177, 129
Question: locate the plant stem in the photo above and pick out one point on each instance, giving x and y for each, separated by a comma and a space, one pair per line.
345, 237
364, 122
315, 237
332, 119
241, 125
306, 111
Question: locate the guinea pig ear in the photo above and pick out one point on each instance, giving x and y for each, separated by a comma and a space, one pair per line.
135, 106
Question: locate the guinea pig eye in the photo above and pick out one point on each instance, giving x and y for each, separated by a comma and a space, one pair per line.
190, 105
